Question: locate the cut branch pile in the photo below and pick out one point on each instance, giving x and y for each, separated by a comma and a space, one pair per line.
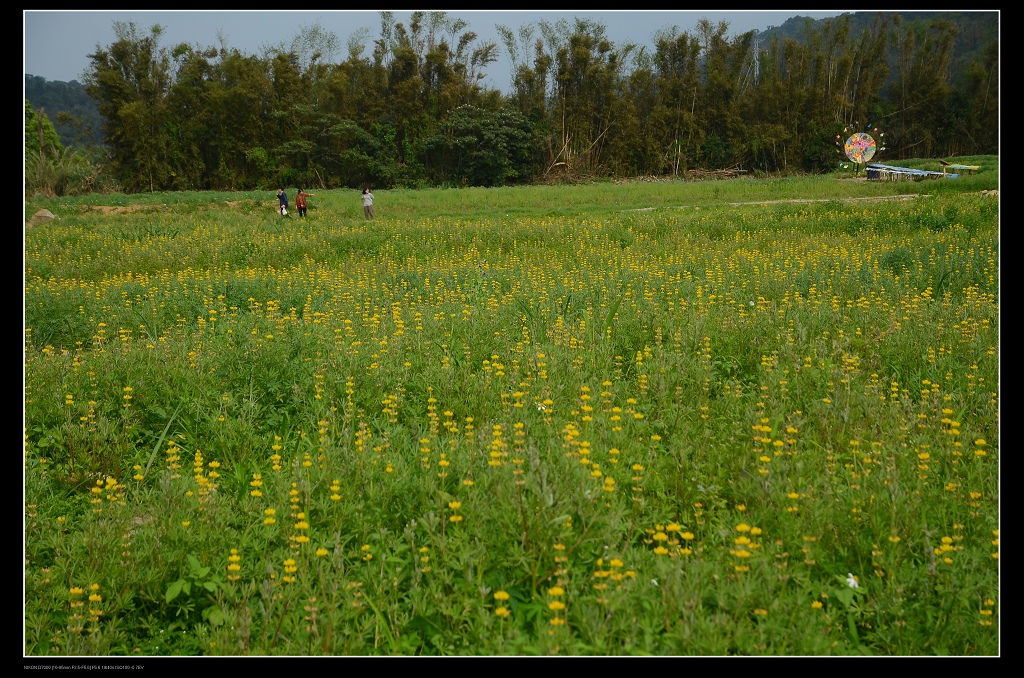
698, 174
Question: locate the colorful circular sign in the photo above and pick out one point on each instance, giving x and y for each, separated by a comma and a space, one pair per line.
860, 147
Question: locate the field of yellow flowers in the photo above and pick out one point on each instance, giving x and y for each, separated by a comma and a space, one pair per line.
614, 419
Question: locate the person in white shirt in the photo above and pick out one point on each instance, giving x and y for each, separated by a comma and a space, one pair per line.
367, 204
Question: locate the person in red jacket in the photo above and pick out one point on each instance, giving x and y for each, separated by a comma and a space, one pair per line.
300, 201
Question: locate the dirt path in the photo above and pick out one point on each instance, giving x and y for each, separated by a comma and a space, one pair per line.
910, 196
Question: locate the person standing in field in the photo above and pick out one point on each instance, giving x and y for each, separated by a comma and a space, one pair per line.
367, 204
300, 201
282, 199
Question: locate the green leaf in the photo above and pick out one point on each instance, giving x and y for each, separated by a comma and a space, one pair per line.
194, 563
160, 440
209, 586
532, 610
173, 590
215, 616
426, 625
187, 587
383, 621
852, 629
611, 314
203, 572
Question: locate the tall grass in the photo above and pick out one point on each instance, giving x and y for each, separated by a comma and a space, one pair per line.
516, 421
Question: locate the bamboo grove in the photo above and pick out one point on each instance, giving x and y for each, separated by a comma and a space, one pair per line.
414, 112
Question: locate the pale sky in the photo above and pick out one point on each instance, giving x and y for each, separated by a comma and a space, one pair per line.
57, 42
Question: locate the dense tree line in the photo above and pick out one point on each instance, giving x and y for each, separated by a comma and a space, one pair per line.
413, 111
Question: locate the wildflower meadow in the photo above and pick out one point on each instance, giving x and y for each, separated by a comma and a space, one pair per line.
754, 416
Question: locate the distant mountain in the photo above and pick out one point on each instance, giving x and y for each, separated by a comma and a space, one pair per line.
81, 124
975, 31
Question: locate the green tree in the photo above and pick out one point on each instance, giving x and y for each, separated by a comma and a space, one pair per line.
477, 147
130, 81
243, 98
40, 133
918, 93
193, 119
529, 81
587, 68
637, 142
676, 67
724, 61
862, 88
770, 144
981, 96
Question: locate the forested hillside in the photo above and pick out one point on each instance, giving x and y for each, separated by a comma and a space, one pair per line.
408, 108
74, 114
975, 31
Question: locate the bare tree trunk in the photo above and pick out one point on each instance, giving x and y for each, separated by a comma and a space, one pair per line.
42, 150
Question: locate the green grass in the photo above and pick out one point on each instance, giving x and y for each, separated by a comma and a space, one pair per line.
653, 418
